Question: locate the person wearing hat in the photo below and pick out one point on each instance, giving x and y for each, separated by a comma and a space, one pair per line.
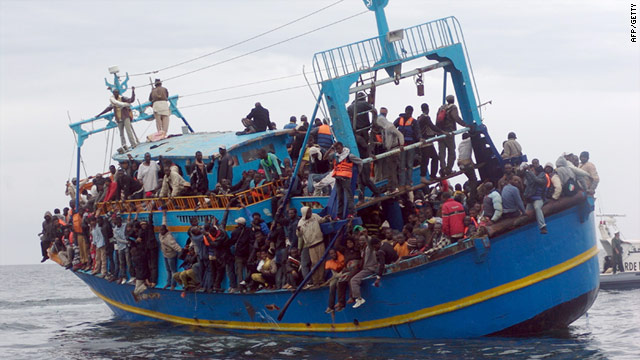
446, 120
159, 98
121, 107
616, 244
588, 166
512, 150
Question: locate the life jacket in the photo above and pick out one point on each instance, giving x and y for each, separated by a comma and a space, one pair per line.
325, 139
548, 190
406, 128
77, 223
379, 138
208, 239
71, 237
343, 168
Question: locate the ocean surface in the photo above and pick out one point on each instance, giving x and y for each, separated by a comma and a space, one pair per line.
48, 313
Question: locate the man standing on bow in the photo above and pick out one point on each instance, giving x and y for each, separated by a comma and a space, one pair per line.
159, 98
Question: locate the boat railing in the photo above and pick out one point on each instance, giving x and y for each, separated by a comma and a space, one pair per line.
192, 203
367, 55
416, 42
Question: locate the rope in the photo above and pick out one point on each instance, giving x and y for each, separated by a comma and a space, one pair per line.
260, 49
241, 42
106, 149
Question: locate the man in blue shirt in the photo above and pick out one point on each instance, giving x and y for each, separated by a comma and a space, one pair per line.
290, 125
512, 205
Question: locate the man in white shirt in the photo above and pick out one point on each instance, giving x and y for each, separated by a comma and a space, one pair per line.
148, 174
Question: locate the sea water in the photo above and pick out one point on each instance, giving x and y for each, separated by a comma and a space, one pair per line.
48, 313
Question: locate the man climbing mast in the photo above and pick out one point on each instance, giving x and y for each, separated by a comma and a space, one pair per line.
121, 107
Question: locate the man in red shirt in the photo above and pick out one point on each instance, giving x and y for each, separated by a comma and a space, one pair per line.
452, 217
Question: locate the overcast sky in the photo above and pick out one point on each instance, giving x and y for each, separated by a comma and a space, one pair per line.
563, 75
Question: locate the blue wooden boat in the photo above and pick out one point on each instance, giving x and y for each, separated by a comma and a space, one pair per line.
512, 282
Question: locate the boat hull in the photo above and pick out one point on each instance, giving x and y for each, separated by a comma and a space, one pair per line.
522, 282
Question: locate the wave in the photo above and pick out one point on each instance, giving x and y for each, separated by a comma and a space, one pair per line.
48, 302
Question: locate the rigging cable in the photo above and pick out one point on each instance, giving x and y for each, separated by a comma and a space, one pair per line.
244, 96
260, 49
241, 85
241, 42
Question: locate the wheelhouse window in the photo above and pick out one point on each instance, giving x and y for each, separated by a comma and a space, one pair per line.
251, 155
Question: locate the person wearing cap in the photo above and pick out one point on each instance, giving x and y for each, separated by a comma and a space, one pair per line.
512, 151
446, 121
260, 117
590, 168
616, 244
359, 110
291, 125
159, 98
121, 107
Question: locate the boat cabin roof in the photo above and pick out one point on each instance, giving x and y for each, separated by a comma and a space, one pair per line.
185, 146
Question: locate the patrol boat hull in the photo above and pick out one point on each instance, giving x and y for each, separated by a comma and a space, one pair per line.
522, 282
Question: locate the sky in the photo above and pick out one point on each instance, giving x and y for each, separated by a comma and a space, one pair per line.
564, 75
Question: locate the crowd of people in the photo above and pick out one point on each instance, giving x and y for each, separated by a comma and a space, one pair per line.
279, 255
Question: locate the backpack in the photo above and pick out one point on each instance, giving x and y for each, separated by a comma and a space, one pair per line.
569, 188
442, 114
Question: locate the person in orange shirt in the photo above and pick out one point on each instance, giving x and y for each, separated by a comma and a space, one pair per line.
401, 247
335, 264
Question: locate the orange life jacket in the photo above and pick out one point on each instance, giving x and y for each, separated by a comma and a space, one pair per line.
343, 168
